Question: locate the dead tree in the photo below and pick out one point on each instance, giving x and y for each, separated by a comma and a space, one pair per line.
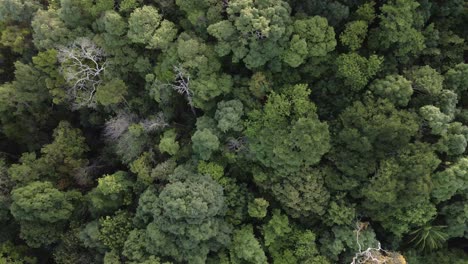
117, 125
83, 64
375, 255
182, 85
155, 123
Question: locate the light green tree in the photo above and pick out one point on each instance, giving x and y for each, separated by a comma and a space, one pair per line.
395, 88
146, 26
204, 143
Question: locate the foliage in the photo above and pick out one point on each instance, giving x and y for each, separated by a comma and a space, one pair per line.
428, 238
229, 115
204, 143
114, 230
258, 208
246, 248
146, 26
41, 208
112, 192
395, 88
233, 131
11, 254
187, 219
356, 71
426, 80
255, 32
312, 38
399, 29
301, 144
168, 143
354, 34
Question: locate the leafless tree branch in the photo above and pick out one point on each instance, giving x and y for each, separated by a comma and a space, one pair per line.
83, 63
370, 255
116, 126
154, 124
182, 84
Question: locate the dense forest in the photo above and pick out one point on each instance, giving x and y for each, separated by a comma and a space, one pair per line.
233, 131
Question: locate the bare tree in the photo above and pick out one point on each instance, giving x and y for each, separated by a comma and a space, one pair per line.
374, 255
83, 63
154, 124
182, 85
117, 125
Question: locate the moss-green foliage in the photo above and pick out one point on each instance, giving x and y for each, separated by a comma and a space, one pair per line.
233, 131
114, 230
287, 134
112, 192
312, 38
246, 248
41, 211
258, 208
395, 88
168, 143
356, 70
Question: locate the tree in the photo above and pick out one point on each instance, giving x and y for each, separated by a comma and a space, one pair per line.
192, 69
188, 219
344, 241
112, 192
354, 34
40, 201
455, 140
301, 194
146, 26
16, 38
447, 102
204, 143
455, 216
255, 32
245, 247
26, 99
398, 194
356, 71
311, 38
450, 181
49, 30
18, 10
132, 143
83, 64
59, 160
395, 88
114, 23
112, 92
369, 131
435, 119
399, 30
113, 230
47, 62
426, 80
287, 243
168, 143
258, 208
428, 238
229, 115
340, 213
286, 134
42, 210
455, 78
14, 254
201, 13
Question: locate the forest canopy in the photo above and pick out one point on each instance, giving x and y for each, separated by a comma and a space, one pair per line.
233, 131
